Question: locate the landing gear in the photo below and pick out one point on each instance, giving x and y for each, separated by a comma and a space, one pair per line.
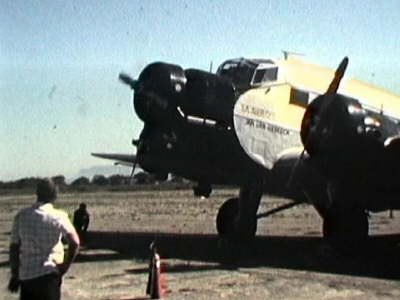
345, 221
202, 190
237, 217
226, 217
346, 225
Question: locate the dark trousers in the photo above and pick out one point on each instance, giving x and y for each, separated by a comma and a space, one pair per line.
47, 287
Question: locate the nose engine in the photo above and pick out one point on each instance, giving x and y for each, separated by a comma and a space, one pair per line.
157, 92
162, 88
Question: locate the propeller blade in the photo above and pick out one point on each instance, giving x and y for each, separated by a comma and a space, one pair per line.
294, 169
135, 142
325, 102
326, 99
125, 78
128, 158
139, 148
334, 86
132, 173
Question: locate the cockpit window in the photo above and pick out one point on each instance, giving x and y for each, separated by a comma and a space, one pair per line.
265, 75
239, 71
245, 73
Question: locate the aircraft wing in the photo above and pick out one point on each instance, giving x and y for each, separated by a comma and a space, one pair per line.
123, 159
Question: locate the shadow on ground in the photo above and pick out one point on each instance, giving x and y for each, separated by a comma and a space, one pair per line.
378, 258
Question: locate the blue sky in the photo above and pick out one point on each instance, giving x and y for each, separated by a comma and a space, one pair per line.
60, 98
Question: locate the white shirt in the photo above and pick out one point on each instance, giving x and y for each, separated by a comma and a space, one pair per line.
38, 229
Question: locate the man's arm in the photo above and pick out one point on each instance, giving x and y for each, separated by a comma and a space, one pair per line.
14, 259
13, 283
73, 249
87, 220
15, 244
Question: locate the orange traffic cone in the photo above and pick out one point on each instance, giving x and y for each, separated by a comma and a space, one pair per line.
155, 284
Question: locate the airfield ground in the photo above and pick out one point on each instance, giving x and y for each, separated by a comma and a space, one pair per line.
288, 259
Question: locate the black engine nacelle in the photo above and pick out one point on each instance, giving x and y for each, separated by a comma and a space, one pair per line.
208, 96
162, 88
158, 91
349, 141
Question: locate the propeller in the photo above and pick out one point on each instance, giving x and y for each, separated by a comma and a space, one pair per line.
334, 86
157, 91
139, 147
315, 113
134, 85
125, 78
317, 110
133, 171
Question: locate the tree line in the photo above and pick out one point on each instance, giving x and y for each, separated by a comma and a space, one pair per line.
141, 178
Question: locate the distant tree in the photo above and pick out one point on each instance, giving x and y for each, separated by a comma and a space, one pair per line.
59, 180
28, 182
81, 181
117, 179
9, 185
100, 180
142, 178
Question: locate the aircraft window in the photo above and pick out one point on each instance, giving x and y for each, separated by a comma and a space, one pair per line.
258, 77
244, 74
263, 75
299, 97
227, 69
271, 74
240, 73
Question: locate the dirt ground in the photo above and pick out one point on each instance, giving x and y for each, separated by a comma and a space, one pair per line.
287, 260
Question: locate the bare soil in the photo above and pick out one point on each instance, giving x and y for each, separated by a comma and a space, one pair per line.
287, 260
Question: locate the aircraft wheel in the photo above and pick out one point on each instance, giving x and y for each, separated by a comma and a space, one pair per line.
202, 190
226, 218
350, 226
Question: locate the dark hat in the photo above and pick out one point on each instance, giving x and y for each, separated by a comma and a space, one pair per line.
46, 190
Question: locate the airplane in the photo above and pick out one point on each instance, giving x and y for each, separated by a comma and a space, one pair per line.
278, 126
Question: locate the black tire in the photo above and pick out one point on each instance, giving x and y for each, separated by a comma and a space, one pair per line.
349, 225
226, 218
202, 190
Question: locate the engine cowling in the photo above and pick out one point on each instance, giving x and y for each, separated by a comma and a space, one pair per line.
208, 96
162, 87
335, 128
159, 89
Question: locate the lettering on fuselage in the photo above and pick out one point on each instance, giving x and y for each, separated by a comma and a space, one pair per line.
257, 111
264, 126
277, 129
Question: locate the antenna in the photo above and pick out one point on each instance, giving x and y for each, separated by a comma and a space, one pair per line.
287, 53
211, 66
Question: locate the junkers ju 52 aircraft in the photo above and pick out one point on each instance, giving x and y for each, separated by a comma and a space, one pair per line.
282, 127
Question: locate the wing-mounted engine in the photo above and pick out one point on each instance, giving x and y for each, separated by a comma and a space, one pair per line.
344, 124
346, 140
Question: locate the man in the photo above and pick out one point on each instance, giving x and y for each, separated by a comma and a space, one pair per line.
36, 252
81, 219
